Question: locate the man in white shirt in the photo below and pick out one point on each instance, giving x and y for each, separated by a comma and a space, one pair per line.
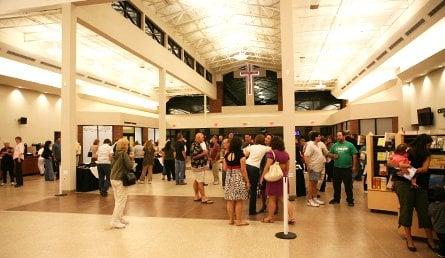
18, 156
104, 154
255, 154
314, 157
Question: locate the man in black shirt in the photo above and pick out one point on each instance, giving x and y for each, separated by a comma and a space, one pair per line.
7, 163
180, 160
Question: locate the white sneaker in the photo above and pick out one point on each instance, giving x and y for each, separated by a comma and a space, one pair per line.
2, 184
320, 202
13, 183
141, 182
312, 203
125, 222
117, 225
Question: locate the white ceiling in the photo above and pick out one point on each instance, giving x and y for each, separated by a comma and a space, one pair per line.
39, 36
219, 30
328, 41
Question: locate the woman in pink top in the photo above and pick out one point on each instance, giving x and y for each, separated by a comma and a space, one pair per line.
274, 190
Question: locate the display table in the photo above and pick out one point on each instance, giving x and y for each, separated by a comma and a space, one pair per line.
29, 166
85, 179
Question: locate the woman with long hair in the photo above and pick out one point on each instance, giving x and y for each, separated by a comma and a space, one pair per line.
410, 197
169, 160
274, 190
94, 148
147, 163
237, 182
120, 164
48, 162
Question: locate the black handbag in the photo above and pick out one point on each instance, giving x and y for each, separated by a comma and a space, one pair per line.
129, 178
90, 154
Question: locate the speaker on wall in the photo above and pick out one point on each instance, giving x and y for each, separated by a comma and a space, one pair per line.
23, 120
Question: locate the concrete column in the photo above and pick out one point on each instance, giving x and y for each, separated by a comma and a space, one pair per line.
162, 107
69, 94
287, 65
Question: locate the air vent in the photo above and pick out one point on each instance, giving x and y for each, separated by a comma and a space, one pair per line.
349, 82
395, 44
362, 71
81, 75
111, 84
370, 65
343, 87
20, 55
436, 9
145, 95
94, 79
355, 77
127, 89
413, 28
382, 55
51, 65
314, 6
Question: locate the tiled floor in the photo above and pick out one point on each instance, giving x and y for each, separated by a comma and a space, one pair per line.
165, 222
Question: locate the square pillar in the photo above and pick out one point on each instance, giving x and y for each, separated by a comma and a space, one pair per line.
162, 107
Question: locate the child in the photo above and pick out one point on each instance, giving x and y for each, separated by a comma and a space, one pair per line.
400, 159
436, 211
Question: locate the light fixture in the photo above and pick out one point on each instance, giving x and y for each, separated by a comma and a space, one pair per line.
240, 56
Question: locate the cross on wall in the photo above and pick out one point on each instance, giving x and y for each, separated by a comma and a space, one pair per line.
249, 73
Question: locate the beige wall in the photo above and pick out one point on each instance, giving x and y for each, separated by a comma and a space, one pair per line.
42, 111
425, 91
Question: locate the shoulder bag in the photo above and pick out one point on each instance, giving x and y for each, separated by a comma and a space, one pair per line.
275, 173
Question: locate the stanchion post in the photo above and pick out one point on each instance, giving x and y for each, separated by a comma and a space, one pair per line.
285, 234
60, 183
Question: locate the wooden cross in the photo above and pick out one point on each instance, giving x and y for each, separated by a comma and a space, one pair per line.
249, 73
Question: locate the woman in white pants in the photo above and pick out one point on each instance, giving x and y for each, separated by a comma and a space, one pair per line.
121, 164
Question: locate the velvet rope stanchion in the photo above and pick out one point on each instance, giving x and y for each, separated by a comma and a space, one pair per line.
285, 234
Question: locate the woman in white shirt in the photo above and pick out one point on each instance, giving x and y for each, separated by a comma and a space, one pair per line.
104, 154
255, 154
41, 161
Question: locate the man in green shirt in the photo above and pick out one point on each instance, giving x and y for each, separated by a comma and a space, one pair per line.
345, 162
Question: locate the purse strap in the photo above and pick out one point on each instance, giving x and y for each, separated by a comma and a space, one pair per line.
274, 157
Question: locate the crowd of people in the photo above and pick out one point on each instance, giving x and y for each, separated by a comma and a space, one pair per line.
244, 162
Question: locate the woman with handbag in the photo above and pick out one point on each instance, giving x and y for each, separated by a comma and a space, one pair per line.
148, 162
274, 188
122, 166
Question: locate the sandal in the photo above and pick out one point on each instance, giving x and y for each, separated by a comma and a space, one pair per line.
291, 221
197, 200
265, 220
207, 202
242, 224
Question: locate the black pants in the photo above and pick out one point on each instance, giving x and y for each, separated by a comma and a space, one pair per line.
343, 175
18, 172
169, 165
56, 168
104, 177
7, 167
300, 185
323, 184
254, 175
329, 170
138, 170
441, 237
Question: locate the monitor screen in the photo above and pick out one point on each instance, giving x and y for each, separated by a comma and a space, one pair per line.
425, 116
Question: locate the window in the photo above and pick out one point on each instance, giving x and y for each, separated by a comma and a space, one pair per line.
129, 11
209, 76
174, 48
200, 69
154, 31
384, 125
265, 89
367, 126
234, 90
189, 60
316, 100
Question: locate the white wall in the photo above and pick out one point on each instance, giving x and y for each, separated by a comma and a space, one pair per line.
425, 91
42, 111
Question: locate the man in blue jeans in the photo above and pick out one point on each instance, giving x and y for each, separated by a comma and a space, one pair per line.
180, 160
